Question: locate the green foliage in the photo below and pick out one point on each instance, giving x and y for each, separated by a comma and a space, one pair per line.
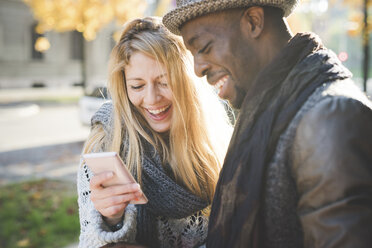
38, 214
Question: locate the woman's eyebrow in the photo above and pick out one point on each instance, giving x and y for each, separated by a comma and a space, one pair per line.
136, 79
140, 79
162, 75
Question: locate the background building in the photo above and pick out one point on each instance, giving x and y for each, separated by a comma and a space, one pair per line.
70, 60
21, 65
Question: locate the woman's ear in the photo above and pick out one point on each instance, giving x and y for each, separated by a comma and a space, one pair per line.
252, 22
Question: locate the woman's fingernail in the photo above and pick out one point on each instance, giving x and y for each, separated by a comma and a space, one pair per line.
110, 174
136, 186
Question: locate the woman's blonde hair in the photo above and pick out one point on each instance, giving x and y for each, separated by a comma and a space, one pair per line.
199, 132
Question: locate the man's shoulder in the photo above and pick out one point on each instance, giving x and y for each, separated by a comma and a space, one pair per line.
346, 89
336, 103
340, 114
331, 103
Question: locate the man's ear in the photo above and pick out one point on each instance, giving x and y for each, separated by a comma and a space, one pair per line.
252, 21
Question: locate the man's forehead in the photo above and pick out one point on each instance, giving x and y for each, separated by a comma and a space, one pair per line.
198, 27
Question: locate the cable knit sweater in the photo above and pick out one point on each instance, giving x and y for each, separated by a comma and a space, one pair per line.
185, 232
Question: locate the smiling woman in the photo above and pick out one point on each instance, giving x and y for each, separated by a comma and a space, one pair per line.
172, 133
148, 91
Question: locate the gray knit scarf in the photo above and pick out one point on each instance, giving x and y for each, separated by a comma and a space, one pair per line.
166, 197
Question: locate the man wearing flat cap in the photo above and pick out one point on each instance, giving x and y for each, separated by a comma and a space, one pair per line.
298, 172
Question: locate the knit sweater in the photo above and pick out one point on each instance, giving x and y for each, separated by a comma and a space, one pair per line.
190, 231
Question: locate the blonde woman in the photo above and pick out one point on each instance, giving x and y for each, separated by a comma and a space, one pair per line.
172, 133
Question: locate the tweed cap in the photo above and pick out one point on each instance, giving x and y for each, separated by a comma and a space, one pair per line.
189, 9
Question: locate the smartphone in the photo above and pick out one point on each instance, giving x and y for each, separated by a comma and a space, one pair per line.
111, 161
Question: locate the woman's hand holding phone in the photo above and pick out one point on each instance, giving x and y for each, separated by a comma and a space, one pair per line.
112, 186
111, 201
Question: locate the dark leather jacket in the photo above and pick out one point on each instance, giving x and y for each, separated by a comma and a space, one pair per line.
320, 182
332, 167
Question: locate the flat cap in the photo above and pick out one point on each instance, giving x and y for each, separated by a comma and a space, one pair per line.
190, 9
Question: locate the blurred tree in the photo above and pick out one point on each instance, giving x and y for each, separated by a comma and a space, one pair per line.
162, 7
84, 16
360, 24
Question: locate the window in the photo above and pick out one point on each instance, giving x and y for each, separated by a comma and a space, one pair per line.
34, 36
76, 45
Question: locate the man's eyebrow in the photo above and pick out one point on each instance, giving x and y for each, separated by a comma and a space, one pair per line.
193, 39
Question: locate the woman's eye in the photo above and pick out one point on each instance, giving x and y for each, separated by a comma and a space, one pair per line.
136, 87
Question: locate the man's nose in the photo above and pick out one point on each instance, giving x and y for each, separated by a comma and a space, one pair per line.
201, 67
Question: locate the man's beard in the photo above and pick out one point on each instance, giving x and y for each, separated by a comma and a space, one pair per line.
240, 95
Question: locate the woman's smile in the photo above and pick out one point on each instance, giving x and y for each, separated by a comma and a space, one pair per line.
160, 113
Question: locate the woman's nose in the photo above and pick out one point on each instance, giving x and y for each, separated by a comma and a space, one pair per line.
152, 95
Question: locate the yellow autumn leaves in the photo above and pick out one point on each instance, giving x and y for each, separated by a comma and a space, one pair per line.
85, 16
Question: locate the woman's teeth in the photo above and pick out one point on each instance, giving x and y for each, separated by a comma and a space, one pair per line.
157, 111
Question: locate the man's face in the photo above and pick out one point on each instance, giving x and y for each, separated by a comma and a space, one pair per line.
222, 54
